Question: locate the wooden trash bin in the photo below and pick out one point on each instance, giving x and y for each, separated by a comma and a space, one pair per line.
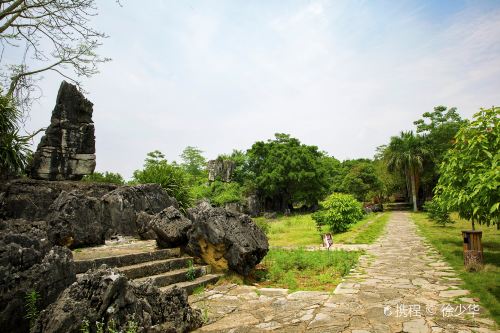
473, 249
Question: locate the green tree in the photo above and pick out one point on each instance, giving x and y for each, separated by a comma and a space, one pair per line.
438, 129
470, 173
359, 178
287, 172
406, 154
193, 162
106, 177
169, 175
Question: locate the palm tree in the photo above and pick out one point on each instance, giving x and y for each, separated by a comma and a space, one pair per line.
406, 153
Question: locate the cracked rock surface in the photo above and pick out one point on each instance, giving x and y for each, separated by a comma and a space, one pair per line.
400, 285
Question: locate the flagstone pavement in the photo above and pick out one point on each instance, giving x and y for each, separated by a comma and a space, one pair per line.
400, 285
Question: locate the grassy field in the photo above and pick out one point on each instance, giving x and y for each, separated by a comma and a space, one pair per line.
300, 230
448, 241
305, 270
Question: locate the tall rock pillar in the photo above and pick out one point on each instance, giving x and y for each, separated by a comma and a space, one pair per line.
67, 150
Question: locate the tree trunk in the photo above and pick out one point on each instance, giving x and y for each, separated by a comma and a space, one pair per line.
413, 190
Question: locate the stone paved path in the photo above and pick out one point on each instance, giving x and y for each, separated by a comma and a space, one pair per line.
400, 285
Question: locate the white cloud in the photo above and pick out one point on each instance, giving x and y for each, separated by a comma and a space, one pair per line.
343, 76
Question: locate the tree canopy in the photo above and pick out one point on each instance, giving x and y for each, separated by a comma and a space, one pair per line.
470, 173
287, 172
193, 162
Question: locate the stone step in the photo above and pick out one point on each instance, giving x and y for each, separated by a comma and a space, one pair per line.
176, 276
82, 266
155, 267
190, 286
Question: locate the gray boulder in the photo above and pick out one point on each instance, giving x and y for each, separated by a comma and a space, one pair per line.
225, 239
171, 228
67, 150
28, 262
123, 205
77, 220
104, 295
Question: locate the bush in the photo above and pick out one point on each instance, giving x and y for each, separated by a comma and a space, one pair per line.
339, 211
437, 212
170, 176
106, 177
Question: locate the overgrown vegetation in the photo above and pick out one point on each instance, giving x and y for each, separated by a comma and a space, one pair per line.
483, 284
169, 175
306, 270
106, 177
338, 212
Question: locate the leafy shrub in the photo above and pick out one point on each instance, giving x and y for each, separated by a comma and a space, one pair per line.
437, 212
169, 175
338, 212
106, 177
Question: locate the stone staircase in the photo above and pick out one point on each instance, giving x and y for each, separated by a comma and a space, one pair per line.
167, 268
397, 206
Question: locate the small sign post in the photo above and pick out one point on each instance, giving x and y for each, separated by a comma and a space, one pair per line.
327, 241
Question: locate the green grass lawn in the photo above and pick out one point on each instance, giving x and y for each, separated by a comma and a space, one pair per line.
365, 231
300, 230
305, 270
448, 241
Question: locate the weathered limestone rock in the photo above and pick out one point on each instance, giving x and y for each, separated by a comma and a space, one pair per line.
91, 211
105, 295
67, 150
125, 203
171, 228
31, 199
77, 220
28, 262
220, 169
225, 239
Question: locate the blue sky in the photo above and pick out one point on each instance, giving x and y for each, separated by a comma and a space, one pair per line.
220, 75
